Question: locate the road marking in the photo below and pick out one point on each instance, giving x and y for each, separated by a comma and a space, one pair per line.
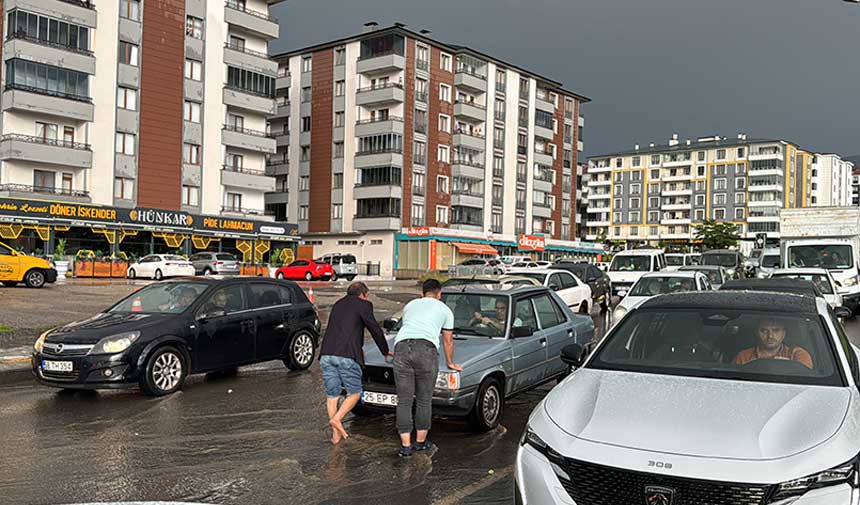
489, 480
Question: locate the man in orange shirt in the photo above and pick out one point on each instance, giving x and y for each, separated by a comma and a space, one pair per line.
771, 334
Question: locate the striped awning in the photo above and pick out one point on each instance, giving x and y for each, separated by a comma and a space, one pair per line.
469, 248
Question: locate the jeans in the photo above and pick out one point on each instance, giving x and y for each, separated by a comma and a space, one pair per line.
340, 374
416, 365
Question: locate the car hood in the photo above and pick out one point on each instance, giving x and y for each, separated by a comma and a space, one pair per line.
697, 417
630, 302
91, 330
628, 277
468, 351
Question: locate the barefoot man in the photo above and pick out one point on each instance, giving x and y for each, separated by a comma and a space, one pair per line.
341, 354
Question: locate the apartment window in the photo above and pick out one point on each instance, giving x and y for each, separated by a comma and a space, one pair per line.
234, 162
304, 183
499, 110
340, 56
700, 200
637, 161
655, 159
653, 216
655, 174
44, 179
740, 183
419, 152
251, 82
128, 53
619, 176
441, 214
191, 154
303, 212
635, 189
720, 170
635, 202
306, 94
636, 176
444, 123
46, 131
418, 181
306, 64
700, 185
337, 211
742, 169
741, 152
126, 98
444, 92
616, 218
237, 43
125, 143
701, 155
616, 203
193, 70
130, 9
445, 64
305, 153
306, 123
337, 181
720, 184
654, 188
720, 199
417, 215
634, 217
721, 154
443, 154
544, 119
618, 189
719, 213
740, 198
123, 188
498, 138
337, 150
338, 119
441, 184
194, 27
739, 213
522, 143
190, 195
654, 201
619, 162
67, 183
191, 112
339, 88
700, 214
421, 90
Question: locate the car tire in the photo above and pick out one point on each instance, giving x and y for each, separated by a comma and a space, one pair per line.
333, 277
349, 277
132, 274
280, 275
164, 372
10, 284
34, 278
302, 350
158, 275
309, 276
207, 272
489, 406
583, 308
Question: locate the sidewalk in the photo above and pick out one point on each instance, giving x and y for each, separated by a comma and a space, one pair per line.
15, 358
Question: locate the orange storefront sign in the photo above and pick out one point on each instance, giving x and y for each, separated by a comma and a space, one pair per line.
432, 255
418, 231
531, 243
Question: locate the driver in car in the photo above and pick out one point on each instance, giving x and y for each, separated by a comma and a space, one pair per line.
771, 336
184, 298
497, 322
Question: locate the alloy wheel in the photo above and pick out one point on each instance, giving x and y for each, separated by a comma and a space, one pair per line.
35, 279
490, 405
167, 371
303, 351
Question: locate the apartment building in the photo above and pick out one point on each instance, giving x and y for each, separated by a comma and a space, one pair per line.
399, 148
132, 106
831, 181
660, 192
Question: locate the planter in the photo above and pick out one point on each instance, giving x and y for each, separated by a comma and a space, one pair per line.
84, 268
102, 268
62, 267
118, 269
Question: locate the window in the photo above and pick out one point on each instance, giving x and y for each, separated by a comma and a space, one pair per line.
191, 154
191, 112
306, 64
130, 9
303, 212
46, 131
739, 213
337, 211
719, 213
306, 94
445, 62
619, 163
721, 154
337, 181
444, 123
441, 184
443, 154
635, 202
444, 92
655, 159
337, 151
740, 183
44, 179
498, 138
126, 98
740, 198
548, 312
700, 214
701, 155
634, 216
340, 56
422, 56
654, 202
251, 82
700, 200
306, 123
305, 153
637, 161
234, 162
123, 188
128, 53
193, 70
417, 214
700, 185
237, 43
190, 195
618, 189
636, 176
720, 170
194, 27
719, 184
441, 214
720, 199
635, 189
741, 152
338, 119
339, 88
304, 182
742, 169
125, 143
524, 315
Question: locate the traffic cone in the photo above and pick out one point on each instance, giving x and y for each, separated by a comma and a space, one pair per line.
136, 305
311, 296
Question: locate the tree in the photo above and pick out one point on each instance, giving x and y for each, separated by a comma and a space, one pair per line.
601, 236
717, 235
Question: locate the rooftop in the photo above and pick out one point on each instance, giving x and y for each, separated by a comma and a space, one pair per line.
678, 145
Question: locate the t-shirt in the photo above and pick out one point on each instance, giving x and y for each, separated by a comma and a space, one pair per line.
424, 318
798, 354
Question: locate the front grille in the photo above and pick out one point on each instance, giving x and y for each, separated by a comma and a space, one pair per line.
64, 376
378, 374
65, 350
592, 484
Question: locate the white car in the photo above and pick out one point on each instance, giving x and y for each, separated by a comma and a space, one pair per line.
819, 276
660, 283
575, 293
674, 261
628, 266
159, 266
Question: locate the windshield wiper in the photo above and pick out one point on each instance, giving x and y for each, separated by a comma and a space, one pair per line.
467, 331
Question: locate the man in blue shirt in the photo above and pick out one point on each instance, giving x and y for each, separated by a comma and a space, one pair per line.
416, 363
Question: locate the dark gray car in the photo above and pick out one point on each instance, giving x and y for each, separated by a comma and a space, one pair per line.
215, 263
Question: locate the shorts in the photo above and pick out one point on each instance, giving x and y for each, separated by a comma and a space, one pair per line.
340, 374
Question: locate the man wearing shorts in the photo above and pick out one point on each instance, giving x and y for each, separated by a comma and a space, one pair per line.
342, 356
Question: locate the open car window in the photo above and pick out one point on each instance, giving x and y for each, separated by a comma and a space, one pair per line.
478, 314
167, 298
630, 264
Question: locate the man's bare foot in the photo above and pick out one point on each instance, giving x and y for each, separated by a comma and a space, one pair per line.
337, 426
335, 437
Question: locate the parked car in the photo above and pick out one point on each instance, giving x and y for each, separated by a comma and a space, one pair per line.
628, 266
821, 277
307, 270
660, 283
596, 279
160, 266
215, 263
477, 266
575, 293
158, 335
504, 280
732, 261
344, 265
523, 264
717, 275
497, 363
674, 261
673, 407
17, 267
508, 261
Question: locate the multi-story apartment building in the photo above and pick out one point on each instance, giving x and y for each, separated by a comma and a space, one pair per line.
390, 131
660, 192
831, 181
582, 178
130, 106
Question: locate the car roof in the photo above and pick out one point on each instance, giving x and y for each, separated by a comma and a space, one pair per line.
639, 252
698, 268
221, 279
739, 300
686, 274
794, 286
804, 270
495, 289
721, 251
770, 250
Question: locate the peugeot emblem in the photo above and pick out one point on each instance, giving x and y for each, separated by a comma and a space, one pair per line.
59, 348
656, 495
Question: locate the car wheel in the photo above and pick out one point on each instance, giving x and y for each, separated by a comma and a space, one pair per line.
280, 275
207, 271
35, 278
10, 284
583, 308
164, 373
333, 277
159, 275
301, 351
349, 277
132, 274
489, 406
309, 276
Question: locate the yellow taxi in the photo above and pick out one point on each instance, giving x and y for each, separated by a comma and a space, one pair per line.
16, 267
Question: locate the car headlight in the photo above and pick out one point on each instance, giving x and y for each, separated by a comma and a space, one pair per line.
851, 281
115, 343
618, 313
797, 487
448, 380
41, 340
731, 271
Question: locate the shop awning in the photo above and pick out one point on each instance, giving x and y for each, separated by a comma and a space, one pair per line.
468, 248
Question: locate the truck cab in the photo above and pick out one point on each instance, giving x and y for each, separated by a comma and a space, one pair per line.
838, 256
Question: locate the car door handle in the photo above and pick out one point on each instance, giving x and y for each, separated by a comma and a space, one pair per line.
280, 326
542, 341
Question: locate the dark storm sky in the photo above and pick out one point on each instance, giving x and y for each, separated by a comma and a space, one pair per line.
772, 68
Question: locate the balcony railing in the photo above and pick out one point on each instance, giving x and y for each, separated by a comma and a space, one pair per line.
421, 96
468, 163
44, 42
246, 131
248, 91
86, 4
368, 184
472, 134
379, 86
471, 72
277, 161
46, 141
395, 150
468, 192
543, 177
473, 104
43, 91
379, 120
370, 215
243, 170
377, 55
23, 188
243, 49
233, 4
242, 210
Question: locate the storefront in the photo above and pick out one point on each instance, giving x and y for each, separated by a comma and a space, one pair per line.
35, 226
419, 249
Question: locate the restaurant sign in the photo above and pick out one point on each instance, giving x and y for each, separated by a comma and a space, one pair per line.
531, 243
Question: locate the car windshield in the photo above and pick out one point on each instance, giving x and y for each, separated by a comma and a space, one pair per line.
722, 344
538, 276
770, 261
693, 259
756, 253
225, 257
724, 260
674, 261
173, 257
461, 282
630, 264
478, 314
167, 298
831, 256
820, 280
653, 286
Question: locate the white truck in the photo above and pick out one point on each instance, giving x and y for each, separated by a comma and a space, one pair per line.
826, 237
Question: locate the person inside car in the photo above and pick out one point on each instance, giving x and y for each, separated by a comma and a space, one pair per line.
184, 297
498, 322
218, 303
771, 336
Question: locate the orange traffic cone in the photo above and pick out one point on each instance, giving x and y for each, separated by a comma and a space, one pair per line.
136, 305
311, 296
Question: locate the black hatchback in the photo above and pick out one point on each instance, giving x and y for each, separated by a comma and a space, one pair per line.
161, 333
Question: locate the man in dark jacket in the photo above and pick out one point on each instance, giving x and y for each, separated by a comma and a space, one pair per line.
341, 354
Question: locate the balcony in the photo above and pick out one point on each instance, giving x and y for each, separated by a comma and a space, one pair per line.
543, 157
383, 190
251, 140
592, 183
259, 23
232, 210
20, 98
283, 79
675, 220
763, 219
242, 57
241, 177
754, 188
380, 63
277, 167
544, 132
375, 222
598, 196
248, 100
37, 192
543, 102
766, 156
277, 197
597, 224
470, 110
764, 203
381, 94
471, 140
78, 12
678, 162
379, 158
767, 172
45, 151
375, 126
51, 53
677, 192
541, 209
599, 169
467, 168
471, 81
282, 110
676, 176
676, 206
465, 198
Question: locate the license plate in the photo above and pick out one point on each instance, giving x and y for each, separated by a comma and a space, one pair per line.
57, 366
379, 398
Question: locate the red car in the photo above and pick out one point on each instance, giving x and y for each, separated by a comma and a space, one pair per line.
307, 270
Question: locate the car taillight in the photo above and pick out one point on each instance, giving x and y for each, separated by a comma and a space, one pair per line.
171, 264
219, 262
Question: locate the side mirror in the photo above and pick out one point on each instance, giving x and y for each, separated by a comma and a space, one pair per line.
572, 355
522, 331
389, 324
843, 312
838, 284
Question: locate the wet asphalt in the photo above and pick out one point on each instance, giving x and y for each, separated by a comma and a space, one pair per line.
256, 437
